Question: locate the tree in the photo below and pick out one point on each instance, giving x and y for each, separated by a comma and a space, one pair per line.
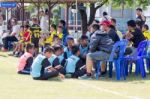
95, 6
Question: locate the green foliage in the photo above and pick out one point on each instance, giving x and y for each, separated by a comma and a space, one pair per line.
131, 3
56, 14
30, 8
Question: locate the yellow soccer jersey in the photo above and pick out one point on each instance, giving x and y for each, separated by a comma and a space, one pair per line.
147, 34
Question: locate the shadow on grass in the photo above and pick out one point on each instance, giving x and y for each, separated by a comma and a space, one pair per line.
130, 78
54, 79
3, 56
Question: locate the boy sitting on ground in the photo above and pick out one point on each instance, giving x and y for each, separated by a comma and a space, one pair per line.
46, 66
58, 51
26, 60
74, 65
83, 47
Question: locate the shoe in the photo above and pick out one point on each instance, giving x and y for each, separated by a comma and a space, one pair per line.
11, 54
85, 77
103, 74
4, 50
68, 75
16, 54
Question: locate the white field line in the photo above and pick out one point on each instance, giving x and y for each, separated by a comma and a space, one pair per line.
107, 90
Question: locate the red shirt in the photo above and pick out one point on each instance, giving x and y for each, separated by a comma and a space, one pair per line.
27, 36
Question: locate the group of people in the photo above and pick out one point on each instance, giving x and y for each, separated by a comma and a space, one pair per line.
61, 56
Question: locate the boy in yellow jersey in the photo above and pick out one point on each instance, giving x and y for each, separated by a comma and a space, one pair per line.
35, 34
53, 33
145, 30
60, 32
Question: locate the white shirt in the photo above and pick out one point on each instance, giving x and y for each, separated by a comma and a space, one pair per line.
16, 30
106, 18
44, 23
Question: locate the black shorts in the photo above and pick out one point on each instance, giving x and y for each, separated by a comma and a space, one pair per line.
35, 41
46, 75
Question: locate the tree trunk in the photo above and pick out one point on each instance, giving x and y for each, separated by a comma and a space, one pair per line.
84, 21
92, 13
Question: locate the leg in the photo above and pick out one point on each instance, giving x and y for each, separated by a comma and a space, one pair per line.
8, 39
89, 64
103, 67
50, 74
91, 58
24, 72
96, 56
79, 73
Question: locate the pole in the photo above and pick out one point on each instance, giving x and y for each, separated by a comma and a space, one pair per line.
67, 15
49, 13
76, 18
7, 16
22, 5
122, 12
38, 10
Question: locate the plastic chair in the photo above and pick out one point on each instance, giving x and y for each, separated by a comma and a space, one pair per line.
138, 59
147, 55
119, 49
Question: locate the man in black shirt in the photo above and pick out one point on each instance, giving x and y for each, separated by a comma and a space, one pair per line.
134, 35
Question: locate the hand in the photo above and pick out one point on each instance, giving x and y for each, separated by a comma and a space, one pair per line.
129, 35
58, 67
49, 67
61, 76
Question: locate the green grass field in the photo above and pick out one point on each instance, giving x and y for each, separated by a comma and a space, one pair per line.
14, 86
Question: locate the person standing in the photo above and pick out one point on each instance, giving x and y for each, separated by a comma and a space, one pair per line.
106, 17
141, 19
62, 24
44, 22
35, 34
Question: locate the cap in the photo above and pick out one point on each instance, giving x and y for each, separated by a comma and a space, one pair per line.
107, 23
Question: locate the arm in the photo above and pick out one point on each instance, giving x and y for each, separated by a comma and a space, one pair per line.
13, 34
15, 30
79, 64
143, 18
128, 36
56, 62
94, 44
29, 61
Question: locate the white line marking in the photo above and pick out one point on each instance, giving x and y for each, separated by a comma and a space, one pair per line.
107, 90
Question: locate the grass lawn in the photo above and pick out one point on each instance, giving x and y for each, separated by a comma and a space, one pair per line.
14, 86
